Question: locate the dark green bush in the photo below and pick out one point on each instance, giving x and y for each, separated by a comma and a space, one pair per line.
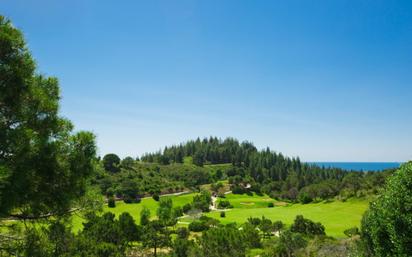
111, 203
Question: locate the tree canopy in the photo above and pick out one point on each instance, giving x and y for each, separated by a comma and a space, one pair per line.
387, 225
43, 164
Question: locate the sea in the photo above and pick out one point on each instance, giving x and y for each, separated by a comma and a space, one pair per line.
359, 166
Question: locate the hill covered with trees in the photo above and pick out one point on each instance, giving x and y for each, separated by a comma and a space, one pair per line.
246, 169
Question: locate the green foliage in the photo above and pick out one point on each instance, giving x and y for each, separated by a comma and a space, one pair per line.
203, 223
111, 203
271, 205
43, 164
251, 235
202, 201
181, 247
265, 225
198, 226
270, 172
156, 197
111, 162
130, 231
287, 244
155, 235
165, 212
350, 232
304, 197
127, 162
182, 233
224, 205
144, 216
387, 226
307, 227
225, 241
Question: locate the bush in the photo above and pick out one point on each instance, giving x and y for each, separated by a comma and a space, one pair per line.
224, 204
304, 198
238, 190
187, 207
197, 226
271, 205
307, 227
386, 226
351, 232
111, 203
182, 232
222, 214
156, 197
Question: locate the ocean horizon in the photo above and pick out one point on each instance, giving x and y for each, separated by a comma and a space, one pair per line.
359, 166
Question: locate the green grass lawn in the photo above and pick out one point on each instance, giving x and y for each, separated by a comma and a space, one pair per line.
249, 201
336, 216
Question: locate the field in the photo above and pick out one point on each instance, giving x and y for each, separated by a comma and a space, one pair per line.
336, 216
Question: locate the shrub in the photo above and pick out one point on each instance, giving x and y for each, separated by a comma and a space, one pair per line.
271, 205
307, 227
386, 226
238, 190
156, 197
222, 214
197, 226
111, 203
304, 198
351, 232
187, 207
224, 204
128, 199
182, 232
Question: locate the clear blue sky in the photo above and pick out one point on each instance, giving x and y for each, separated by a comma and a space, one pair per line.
323, 80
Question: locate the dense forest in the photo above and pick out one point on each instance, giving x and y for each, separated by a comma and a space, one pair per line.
50, 174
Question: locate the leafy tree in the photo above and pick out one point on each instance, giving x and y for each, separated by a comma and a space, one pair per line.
307, 227
144, 216
181, 247
288, 244
278, 225
387, 226
223, 241
165, 211
251, 235
155, 236
202, 201
44, 166
182, 233
127, 162
131, 232
111, 163
265, 225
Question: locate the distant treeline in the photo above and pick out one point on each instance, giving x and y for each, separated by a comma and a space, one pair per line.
270, 172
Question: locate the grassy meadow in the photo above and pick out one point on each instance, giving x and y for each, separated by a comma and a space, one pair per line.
336, 216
